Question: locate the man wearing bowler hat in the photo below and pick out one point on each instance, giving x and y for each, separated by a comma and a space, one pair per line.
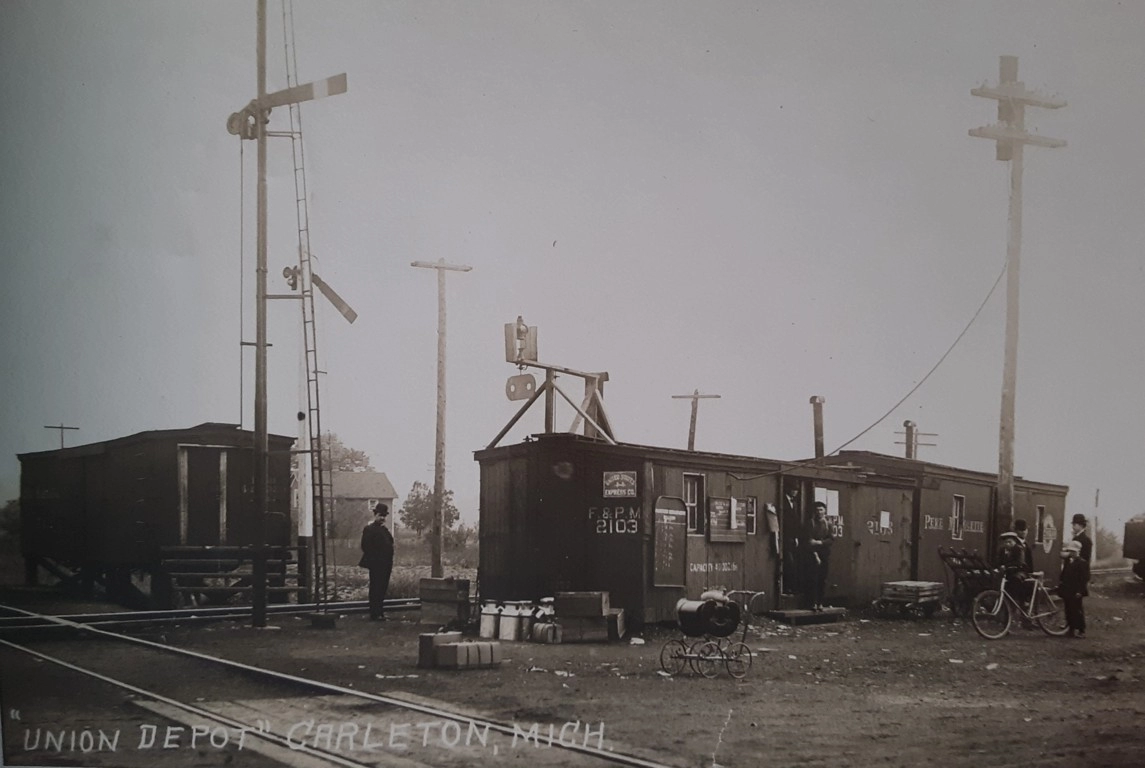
378, 556
1078, 526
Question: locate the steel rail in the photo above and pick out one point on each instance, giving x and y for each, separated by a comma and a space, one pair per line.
127, 618
243, 728
1119, 569
608, 756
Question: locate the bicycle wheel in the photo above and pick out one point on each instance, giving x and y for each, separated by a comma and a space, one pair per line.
990, 614
708, 659
1050, 614
673, 656
738, 660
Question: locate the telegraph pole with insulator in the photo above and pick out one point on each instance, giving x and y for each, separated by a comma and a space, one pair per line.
695, 397
1010, 137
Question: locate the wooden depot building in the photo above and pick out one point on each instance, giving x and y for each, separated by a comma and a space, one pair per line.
564, 512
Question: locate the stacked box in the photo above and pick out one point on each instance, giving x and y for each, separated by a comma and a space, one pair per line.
467, 655
427, 642
581, 604
584, 629
444, 601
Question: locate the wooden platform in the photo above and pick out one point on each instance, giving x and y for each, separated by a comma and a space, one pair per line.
802, 616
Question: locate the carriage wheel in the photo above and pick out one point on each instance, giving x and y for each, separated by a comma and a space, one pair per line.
694, 654
991, 614
738, 660
673, 656
708, 659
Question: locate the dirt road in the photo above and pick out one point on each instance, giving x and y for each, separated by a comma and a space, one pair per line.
861, 692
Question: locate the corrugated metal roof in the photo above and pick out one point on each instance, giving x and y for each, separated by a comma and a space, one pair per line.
362, 485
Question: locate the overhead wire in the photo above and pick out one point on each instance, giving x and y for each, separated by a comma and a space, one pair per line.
922, 381
903, 399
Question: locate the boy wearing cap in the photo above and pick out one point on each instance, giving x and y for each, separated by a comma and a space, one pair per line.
1078, 526
1012, 560
1073, 586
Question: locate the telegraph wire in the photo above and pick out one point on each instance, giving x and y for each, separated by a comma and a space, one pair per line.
932, 370
818, 459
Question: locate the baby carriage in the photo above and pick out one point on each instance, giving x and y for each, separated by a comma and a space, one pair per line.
709, 623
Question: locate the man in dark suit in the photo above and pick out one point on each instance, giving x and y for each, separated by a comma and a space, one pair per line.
817, 540
1079, 534
378, 556
1023, 531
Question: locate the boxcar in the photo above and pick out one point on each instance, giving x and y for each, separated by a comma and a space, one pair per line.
108, 510
561, 512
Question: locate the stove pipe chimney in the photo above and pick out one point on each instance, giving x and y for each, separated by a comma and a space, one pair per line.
817, 409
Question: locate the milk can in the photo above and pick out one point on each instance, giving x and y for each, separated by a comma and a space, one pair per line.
490, 613
510, 622
528, 614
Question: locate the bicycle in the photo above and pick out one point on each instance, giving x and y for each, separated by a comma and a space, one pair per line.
991, 611
705, 655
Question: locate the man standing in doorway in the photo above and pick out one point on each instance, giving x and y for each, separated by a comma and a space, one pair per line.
1078, 526
817, 550
378, 556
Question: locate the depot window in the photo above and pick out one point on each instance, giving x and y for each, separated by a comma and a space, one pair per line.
957, 517
694, 502
1039, 524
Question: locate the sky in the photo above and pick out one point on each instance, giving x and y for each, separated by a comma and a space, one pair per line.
760, 200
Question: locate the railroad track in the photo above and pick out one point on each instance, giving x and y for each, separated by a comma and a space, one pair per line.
125, 619
211, 704
1106, 571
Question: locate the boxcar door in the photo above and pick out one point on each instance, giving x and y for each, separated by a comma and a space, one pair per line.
205, 503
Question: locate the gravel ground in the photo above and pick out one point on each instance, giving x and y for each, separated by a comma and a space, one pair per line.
864, 691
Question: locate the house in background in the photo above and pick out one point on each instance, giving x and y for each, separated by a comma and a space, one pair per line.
355, 494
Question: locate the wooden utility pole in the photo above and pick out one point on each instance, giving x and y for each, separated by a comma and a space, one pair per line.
1011, 136
695, 397
258, 577
436, 570
61, 427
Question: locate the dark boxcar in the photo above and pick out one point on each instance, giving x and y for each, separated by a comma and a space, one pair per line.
649, 525
560, 512
955, 508
112, 505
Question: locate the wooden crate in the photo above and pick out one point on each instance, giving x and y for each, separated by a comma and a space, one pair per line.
584, 629
578, 604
